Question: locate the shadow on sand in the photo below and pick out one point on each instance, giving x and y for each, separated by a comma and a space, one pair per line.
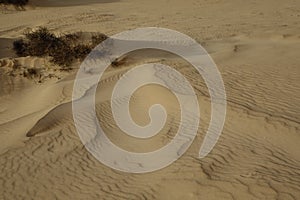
59, 3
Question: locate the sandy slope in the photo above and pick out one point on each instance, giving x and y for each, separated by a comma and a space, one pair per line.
255, 45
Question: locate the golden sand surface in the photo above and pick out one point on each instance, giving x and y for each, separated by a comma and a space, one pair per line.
255, 45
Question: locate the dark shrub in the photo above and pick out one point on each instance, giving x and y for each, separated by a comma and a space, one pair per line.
20, 47
63, 56
43, 43
81, 51
97, 39
15, 2
63, 50
71, 39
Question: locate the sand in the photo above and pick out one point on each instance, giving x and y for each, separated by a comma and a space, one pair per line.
255, 45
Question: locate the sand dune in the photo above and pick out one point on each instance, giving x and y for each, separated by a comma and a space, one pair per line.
255, 44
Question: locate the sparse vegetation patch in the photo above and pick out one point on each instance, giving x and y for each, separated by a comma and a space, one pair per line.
18, 4
62, 50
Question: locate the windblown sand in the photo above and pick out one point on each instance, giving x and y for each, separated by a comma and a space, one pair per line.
255, 45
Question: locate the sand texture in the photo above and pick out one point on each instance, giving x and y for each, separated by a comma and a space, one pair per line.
255, 45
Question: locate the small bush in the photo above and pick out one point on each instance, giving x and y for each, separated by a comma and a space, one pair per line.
43, 43
62, 56
20, 47
81, 51
63, 50
97, 39
14, 2
71, 39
